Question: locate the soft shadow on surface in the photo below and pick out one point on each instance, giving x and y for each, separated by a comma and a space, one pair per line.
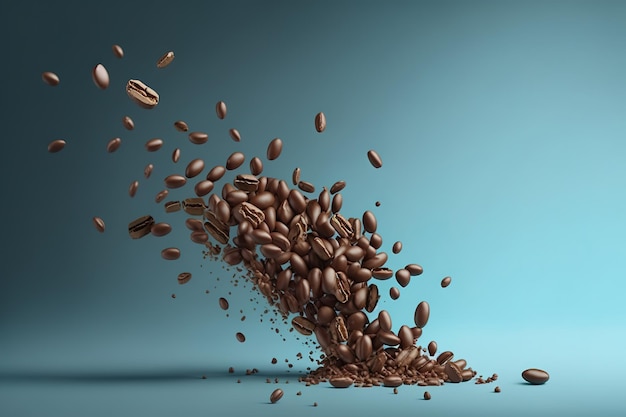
137, 374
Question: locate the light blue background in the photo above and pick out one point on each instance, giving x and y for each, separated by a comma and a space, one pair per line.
501, 127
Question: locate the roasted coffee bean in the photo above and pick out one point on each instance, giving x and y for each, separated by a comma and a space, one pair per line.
320, 122
376, 241
274, 149
324, 199
363, 348
374, 159
535, 376
246, 182
118, 51
467, 374
199, 237
140, 227
303, 291
176, 155
223, 303
453, 372
194, 168
432, 348
141, 94
132, 190
496, 389
295, 176
203, 188
181, 126
241, 338
444, 357
388, 338
461, 363
392, 381
218, 229
445, 282
382, 273
235, 160
194, 206
100, 76
342, 226
220, 109
160, 229
194, 225
175, 181
172, 206
98, 224
422, 313
184, 277
369, 221
427, 395
337, 203
234, 135
170, 254
148, 170
303, 325
338, 186
406, 339
376, 261
56, 145
198, 138
114, 145
128, 123
305, 186
216, 173
256, 165
372, 298
276, 395
397, 247
394, 293
50, 78
384, 320
154, 145
341, 381
414, 269
165, 59
403, 277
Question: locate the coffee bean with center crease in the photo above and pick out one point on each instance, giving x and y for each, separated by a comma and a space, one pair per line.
363, 347
170, 254
295, 176
320, 122
422, 313
198, 138
140, 227
274, 149
114, 145
445, 282
181, 126
276, 395
148, 170
382, 273
444, 357
337, 203
98, 224
235, 135
154, 145
175, 181
392, 381
100, 76
414, 269
372, 298
184, 277
453, 372
128, 123
56, 145
220, 109
303, 325
194, 206
141, 94
338, 186
172, 206
165, 59
306, 186
235, 160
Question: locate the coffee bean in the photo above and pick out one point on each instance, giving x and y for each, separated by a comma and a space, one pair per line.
223, 303
114, 145
176, 155
276, 395
320, 122
369, 222
341, 381
337, 203
160, 229
403, 277
414, 269
165, 60
203, 188
427, 395
172, 206
377, 204
303, 325
100, 76
198, 138
338, 186
394, 293
118, 51
384, 319
372, 298
199, 237
235, 160
234, 135
535, 376
141, 94
132, 190
445, 282
154, 144
194, 225
496, 389
256, 165
382, 273
128, 123
216, 173
422, 312
453, 372
444, 357
397, 247
392, 381
295, 176
184, 277
376, 241
374, 159
305, 186
98, 224
175, 181
140, 227
161, 196
148, 170
56, 145
170, 254
50, 78
220, 109
274, 149
194, 168
242, 338
181, 126
432, 348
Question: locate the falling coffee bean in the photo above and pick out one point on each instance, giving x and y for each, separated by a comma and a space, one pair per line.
240, 337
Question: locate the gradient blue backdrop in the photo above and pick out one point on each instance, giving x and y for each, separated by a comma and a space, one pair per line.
501, 126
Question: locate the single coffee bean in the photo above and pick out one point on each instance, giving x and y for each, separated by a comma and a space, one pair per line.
98, 224
382, 273
377, 204
240, 337
496, 389
194, 206
394, 293
414, 269
198, 138
341, 381
372, 298
384, 319
223, 303
535, 376
160, 229
376, 241
444, 357
56, 145
374, 159
220, 109
170, 254
445, 282
181, 126
235, 160
462, 363
295, 176
194, 168
199, 237
369, 222
147, 171
403, 277
194, 225
337, 203
100, 76
172, 206
161, 196
50, 78
203, 188
118, 51
276, 395
406, 342
175, 181
274, 149
303, 325
427, 395
184, 277
140, 227
397, 247
132, 190
154, 144
216, 173
176, 155
128, 123
392, 381
256, 165
165, 59
422, 313
453, 372
141, 94
338, 186
305, 186
432, 348
235, 135
320, 122
114, 145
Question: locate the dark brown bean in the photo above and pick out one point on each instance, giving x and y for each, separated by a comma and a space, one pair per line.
170, 254
181, 126
338, 186
203, 188
100, 77
194, 168
147, 171
50, 78
445, 282
274, 149
220, 109
114, 145
240, 337
374, 159
98, 224
320, 122
160, 229
305, 186
161, 196
422, 313
154, 145
369, 222
432, 348
403, 277
56, 145
132, 190
175, 181
535, 376
198, 138
414, 269
234, 135
216, 173
165, 59
128, 123
276, 395
256, 165
337, 203
235, 160
223, 303
394, 293
397, 247
184, 277
176, 155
